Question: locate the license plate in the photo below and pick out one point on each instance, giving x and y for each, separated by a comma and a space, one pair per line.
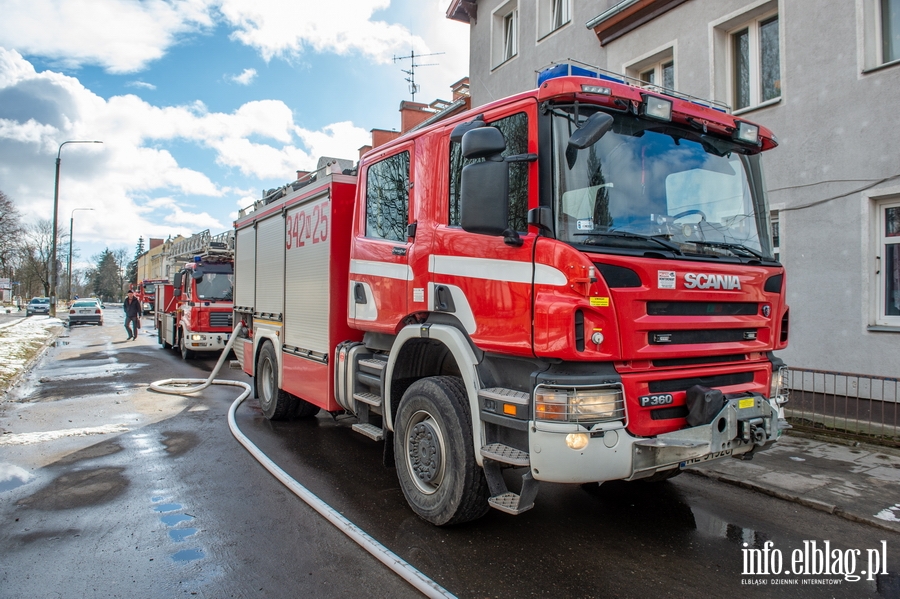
706, 458
84, 311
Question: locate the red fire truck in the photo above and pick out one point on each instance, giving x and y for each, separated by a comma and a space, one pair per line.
194, 312
146, 294
577, 281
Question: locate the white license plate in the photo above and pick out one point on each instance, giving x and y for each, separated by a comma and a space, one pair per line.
706, 458
84, 311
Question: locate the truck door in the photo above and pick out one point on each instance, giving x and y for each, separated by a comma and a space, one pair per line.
379, 265
483, 281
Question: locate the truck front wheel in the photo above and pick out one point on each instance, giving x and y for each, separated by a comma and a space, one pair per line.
434, 453
186, 354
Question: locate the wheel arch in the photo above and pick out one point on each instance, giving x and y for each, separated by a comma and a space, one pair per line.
422, 351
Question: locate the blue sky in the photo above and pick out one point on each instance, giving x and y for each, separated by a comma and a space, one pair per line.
200, 104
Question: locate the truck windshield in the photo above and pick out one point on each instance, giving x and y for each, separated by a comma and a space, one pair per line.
647, 185
149, 288
216, 283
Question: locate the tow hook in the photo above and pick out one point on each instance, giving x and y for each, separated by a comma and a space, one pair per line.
753, 431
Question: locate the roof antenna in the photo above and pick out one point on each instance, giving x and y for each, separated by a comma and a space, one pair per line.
413, 88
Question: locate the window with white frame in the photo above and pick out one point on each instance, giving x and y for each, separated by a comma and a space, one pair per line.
661, 74
755, 62
888, 261
505, 43
654, 70
880, 33
552, 14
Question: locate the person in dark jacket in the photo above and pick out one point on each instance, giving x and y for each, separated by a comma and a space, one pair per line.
132, 308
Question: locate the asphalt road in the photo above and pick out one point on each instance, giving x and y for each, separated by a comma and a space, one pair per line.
169, 504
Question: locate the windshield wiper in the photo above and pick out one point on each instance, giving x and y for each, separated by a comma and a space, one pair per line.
736, 248
626, 235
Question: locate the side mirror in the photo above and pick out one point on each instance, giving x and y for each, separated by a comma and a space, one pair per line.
590, 132
484, 186
179, 280
197, 274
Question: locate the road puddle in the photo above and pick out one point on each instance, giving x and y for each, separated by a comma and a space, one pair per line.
13, 477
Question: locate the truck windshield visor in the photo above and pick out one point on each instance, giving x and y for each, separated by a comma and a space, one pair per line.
650, 185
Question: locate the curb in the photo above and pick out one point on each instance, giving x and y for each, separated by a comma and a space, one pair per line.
815, 504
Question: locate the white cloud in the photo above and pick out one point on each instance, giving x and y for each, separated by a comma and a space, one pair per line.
245, 78
285, 29
121, 36
141, 84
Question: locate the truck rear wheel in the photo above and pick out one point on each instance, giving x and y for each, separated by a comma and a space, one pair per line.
434, 454
275, 403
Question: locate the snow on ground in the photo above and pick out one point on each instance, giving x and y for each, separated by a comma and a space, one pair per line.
20, 341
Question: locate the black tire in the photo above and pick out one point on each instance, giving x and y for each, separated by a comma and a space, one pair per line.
186, 354
275, 403
434, 454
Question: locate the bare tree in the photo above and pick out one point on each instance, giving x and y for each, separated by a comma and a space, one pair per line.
10, 234
35, 255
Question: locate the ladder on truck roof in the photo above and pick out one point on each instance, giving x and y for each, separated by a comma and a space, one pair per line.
205, 246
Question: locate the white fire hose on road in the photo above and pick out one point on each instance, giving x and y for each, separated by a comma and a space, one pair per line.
425, 585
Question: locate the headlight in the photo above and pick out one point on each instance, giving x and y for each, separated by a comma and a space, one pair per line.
779, 381
196, 337
579, 405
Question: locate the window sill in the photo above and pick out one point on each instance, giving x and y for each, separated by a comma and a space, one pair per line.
552, 31
880, 328
765, 104
881, 67
505, 62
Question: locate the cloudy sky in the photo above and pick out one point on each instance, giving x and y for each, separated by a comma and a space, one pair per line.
200, 104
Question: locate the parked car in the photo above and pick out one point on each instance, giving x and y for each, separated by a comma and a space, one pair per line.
87, 311
38, 305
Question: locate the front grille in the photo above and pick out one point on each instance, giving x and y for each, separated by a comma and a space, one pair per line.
702, 336
702, 308
669, 413
713, 382
699, 360
220, 319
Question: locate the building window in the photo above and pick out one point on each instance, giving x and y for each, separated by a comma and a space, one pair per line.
387, 198
505, 33
659, 75
755, 63
889, 263
655, 70
890, 30
552, 14
515, 131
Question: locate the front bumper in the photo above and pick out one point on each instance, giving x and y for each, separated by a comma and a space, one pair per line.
200, 342
612, 453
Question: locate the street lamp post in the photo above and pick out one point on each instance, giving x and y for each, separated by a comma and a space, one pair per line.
54, 272
71, 225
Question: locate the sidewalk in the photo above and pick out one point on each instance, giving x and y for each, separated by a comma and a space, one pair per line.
858, 482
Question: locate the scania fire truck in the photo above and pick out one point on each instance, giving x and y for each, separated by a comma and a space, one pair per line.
577, 282
194, 311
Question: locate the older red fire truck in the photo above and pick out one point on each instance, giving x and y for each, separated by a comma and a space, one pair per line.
577, 281
194, 311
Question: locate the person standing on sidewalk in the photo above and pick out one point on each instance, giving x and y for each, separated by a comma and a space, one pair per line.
132, 309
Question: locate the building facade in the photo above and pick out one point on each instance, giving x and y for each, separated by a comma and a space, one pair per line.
824, 75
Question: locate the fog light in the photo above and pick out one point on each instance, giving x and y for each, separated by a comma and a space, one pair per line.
577, 441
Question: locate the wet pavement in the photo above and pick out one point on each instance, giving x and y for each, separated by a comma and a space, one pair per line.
858, 482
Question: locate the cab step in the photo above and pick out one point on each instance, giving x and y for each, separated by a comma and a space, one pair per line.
368, 398
506, 454
509, 503
514, 503
370, 430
